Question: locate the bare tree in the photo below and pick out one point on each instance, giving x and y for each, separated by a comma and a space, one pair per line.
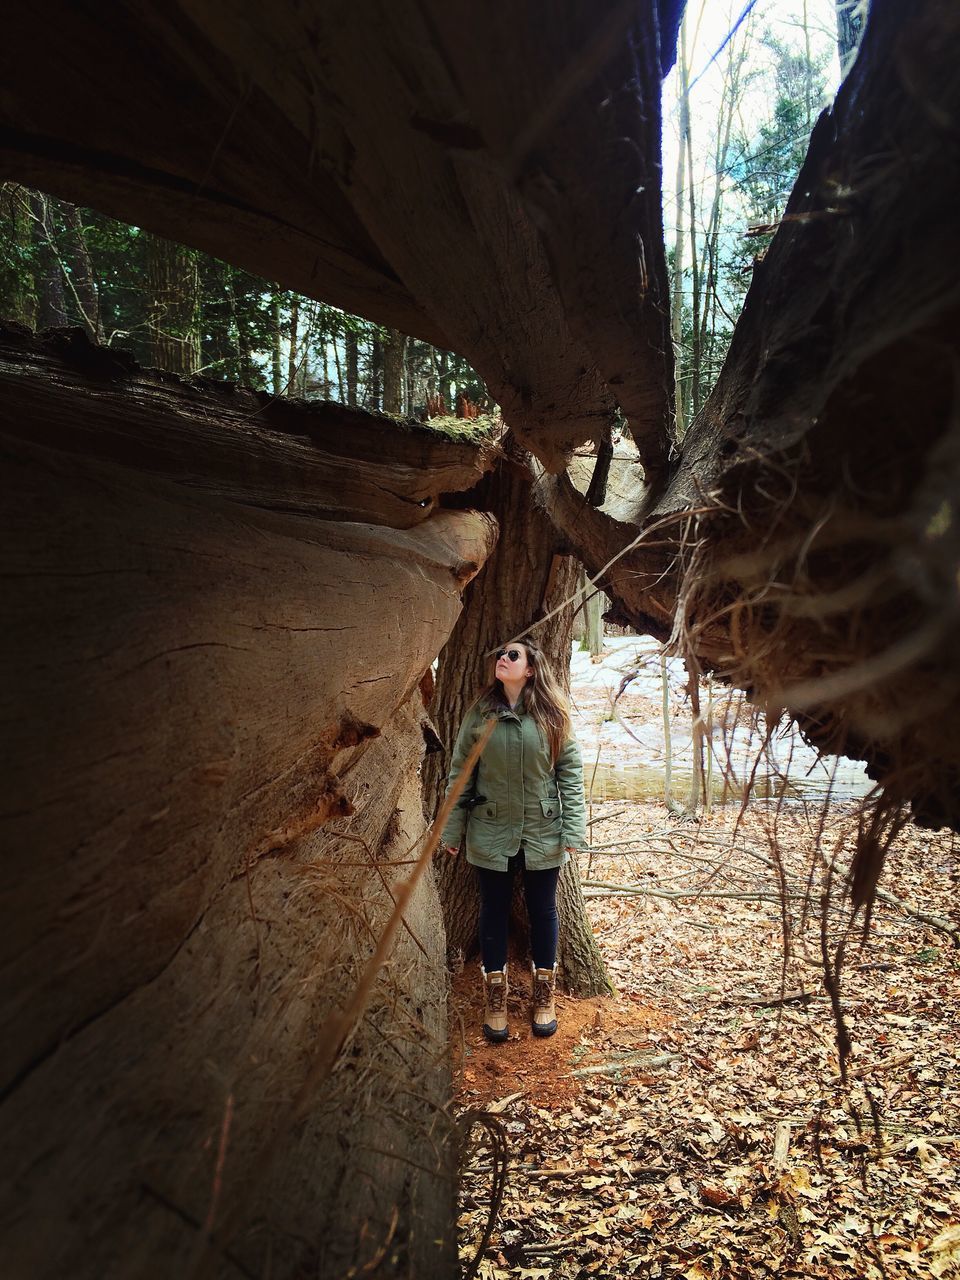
81, 278
51, 297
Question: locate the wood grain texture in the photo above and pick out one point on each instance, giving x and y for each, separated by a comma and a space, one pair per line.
316, 459
206, 694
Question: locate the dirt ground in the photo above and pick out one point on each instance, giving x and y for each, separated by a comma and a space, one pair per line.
696, 1124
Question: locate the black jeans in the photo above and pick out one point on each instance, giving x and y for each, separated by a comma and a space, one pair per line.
540, 891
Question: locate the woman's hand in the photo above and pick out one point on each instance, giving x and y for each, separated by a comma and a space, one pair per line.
452, 849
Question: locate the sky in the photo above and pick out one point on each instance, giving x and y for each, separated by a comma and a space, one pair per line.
708, 24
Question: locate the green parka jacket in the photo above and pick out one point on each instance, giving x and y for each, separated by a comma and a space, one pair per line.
526, 798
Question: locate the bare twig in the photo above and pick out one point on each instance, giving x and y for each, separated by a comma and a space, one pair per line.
935, 922
497, 1140
677, 894
636, 1170
606, 817
638, 1061
773, 1002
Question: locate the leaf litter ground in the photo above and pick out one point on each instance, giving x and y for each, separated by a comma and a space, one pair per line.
695, 1124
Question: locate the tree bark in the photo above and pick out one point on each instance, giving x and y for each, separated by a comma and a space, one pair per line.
710, 262
695, 301
668, 799
18, 293
542, 265
341, 389
444, 384
681, 416
708, 739
326, 387
211, 806
695, 793
353, 373
522, 580
393, 350
805, 498
276, 353
594, 608
321, 460
296, 359
173, 289
803, 544
376, 374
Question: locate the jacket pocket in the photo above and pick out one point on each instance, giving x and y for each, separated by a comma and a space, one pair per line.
551, 810
485, 812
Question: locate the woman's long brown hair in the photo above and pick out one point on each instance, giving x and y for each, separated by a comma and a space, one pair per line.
543, 698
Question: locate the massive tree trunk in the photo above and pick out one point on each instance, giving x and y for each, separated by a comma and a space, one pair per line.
510, 209
319, 459
524, 579
483, 217
213, 796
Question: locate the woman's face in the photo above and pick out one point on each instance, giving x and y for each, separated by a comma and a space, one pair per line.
510, 667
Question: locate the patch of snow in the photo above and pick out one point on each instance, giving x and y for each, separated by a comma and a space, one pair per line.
627, 733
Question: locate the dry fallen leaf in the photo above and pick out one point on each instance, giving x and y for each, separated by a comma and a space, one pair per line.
946, 1250
928, 1155
718, 1196
670, 1173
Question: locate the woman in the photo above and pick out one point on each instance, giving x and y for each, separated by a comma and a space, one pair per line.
523, 808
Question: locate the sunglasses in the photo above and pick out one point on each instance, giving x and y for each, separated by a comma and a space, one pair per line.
512, 654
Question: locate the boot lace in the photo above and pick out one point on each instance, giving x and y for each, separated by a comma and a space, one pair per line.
542, 993
496, 994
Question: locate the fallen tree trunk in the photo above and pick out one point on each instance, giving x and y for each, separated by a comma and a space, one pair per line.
215, 785
311, 458
392, 137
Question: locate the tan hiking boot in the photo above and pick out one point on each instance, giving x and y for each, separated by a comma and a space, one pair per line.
495, 989
543, 1011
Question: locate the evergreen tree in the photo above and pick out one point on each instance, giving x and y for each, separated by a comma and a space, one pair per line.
187, 312
769, 160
